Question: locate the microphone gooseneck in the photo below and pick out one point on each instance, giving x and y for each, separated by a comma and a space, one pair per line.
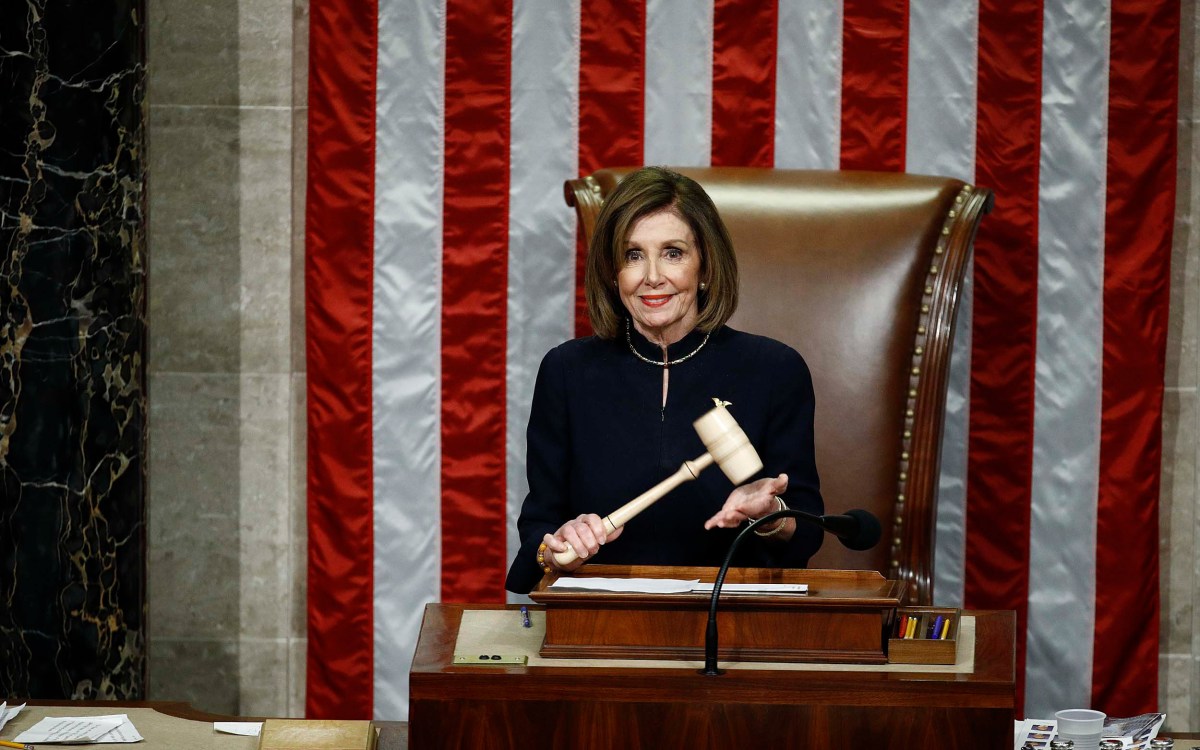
856, 529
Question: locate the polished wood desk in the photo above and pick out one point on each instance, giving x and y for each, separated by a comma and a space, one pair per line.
632, 707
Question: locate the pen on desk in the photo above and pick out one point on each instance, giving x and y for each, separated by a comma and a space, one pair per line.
525, 617
936, 631
20, 746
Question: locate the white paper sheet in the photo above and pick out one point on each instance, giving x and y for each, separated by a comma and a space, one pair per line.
672, 586
244, 728
7, 713
78, 729
627, 585
756, 588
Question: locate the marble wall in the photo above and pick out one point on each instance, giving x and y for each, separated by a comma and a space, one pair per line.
72, 350
227, 82
226, 367
1179, 652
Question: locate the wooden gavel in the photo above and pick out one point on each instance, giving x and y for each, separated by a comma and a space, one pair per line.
727, 445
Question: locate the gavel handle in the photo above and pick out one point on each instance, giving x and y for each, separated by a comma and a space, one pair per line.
688, 471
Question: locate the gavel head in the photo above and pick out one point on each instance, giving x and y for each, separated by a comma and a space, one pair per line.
728, 445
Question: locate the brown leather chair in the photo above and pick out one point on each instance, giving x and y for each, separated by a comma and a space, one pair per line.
860, 273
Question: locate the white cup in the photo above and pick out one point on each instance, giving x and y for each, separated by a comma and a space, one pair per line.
1082, 726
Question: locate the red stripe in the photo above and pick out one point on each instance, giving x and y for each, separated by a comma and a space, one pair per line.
474, 298
1004, 333
874, 84
743, 83
338, 282
612, 92
1143, 105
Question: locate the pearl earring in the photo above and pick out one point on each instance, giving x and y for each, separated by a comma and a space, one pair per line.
703, 286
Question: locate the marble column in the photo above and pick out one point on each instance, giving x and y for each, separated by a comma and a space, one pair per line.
72, 350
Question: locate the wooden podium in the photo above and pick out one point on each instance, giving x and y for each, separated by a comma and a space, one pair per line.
841, 619
635, 703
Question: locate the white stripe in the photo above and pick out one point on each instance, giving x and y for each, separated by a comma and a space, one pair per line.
1071, 197
942, 74
808, 85
678, 116
541, 227
407, 336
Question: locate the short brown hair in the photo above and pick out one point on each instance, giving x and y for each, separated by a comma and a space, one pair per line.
648, 191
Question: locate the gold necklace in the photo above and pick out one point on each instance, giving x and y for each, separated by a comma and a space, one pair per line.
672, 363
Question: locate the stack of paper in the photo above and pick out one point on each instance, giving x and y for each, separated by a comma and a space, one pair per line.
77, 729
7, 713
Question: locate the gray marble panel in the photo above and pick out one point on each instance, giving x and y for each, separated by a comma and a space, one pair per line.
299, 186
263, 677
1182, 360
202, 673
265, 239
299, 499
193, 52
265, 515
297, 671
1177, 520
1183, 329
300, 54
194, 239
194, 506
1175, 691
265, 58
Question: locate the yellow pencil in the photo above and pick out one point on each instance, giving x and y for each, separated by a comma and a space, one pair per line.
18, 745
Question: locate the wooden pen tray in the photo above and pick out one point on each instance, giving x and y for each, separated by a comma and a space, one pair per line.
921, 648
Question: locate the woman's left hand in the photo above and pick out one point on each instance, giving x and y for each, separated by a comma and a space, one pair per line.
753, 500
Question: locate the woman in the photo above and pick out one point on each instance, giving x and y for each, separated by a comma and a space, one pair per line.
612, 413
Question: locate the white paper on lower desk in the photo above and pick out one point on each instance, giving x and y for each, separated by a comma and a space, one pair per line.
79, 729
627, 585
7, 713
244, 728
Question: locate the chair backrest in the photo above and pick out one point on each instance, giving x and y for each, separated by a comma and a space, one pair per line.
860, 273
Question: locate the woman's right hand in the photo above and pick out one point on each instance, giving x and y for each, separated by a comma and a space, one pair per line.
585, 534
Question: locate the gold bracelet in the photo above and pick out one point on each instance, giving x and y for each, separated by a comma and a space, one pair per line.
782, 522
542, 559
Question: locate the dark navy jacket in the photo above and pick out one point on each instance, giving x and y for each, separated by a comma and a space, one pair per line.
599, 436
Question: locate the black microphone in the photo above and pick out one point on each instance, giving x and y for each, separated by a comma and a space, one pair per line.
856, 529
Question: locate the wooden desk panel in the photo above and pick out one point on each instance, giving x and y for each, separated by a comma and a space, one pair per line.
602, 707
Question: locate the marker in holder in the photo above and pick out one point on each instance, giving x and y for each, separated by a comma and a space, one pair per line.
923, 635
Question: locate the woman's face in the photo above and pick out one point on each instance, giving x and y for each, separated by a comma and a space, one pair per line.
660, 278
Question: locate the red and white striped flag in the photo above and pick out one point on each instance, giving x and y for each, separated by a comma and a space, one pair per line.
441, 266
